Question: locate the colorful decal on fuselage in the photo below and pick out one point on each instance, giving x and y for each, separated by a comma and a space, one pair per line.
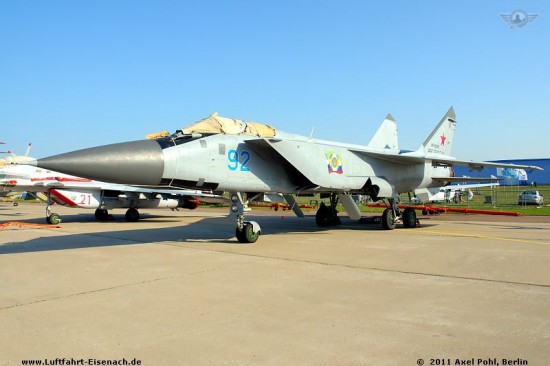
334, 162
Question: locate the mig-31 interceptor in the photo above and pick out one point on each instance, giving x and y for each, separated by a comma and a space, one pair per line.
248, 159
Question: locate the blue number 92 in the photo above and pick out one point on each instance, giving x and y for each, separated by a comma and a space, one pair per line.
233, 158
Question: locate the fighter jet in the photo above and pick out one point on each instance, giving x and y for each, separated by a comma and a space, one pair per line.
250, 158
76, 192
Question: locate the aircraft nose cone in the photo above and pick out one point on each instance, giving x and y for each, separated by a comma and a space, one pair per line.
136, 162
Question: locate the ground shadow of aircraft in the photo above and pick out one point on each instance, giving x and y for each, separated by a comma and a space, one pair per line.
207, 230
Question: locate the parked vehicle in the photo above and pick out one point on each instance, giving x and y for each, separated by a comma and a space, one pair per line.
530, 198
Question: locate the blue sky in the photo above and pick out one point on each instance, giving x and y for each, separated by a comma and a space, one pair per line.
77, 74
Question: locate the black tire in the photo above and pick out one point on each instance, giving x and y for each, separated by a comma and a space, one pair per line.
247, 234
101, 215
409, 218
15, 204
322, 216
388, 219
240, 235
132, 215
53, 219
326, 216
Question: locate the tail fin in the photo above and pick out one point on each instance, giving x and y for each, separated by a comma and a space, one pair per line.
386, 135
440, 141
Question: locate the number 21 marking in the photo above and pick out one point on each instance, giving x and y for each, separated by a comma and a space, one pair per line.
233, 158
83, 198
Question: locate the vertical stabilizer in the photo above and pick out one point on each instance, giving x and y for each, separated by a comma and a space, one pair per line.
440, 141
386, 135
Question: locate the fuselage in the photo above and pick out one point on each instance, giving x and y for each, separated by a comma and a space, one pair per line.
287, 163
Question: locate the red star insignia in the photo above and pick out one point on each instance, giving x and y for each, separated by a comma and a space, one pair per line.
443, 138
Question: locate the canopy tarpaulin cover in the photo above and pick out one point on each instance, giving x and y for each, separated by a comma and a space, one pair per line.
230, 126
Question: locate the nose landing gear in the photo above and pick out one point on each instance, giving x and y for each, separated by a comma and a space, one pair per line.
246, 231
51, 217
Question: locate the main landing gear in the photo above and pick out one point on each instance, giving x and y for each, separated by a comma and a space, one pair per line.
132, 214
328, 215
393, 214
101, 214
246, 231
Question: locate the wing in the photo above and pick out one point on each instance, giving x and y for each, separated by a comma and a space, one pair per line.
415, 157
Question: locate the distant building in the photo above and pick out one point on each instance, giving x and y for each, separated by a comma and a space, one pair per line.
540, 177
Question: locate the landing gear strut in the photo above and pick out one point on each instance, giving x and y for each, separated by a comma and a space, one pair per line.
246, 231
390, 215
51, 218
328, 215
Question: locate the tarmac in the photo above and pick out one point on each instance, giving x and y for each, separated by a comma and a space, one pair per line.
176, 288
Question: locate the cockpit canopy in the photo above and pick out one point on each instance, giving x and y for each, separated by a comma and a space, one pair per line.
217, 124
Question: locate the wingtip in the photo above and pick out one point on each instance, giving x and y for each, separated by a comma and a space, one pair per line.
390, 117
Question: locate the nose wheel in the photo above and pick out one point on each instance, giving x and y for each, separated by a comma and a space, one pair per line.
51, 217
247, 234
246, 231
